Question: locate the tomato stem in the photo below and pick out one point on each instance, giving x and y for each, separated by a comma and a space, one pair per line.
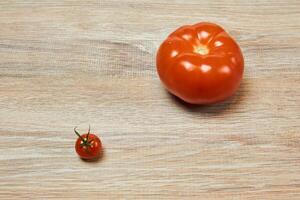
85, 141
78, 134
202, 50
87, 136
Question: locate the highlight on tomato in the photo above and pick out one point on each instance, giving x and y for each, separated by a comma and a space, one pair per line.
200, 64
88, 146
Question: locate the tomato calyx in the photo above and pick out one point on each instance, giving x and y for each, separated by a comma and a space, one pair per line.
202, 50
85, 142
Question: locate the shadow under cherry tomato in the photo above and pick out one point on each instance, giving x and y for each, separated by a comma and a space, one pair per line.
96, 160
213, 109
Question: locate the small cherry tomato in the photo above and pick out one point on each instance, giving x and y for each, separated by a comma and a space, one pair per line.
88, 146
201, 63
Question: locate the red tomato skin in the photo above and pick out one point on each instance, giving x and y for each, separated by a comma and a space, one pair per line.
89, 152
208, 77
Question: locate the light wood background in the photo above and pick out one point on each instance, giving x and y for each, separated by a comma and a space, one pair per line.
65, 63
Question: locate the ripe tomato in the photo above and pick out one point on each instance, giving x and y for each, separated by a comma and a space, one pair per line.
201, 63
88, 146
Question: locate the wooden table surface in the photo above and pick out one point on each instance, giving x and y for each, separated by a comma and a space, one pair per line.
66, 63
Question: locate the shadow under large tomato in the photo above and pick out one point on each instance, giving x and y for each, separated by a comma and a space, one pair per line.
231, 103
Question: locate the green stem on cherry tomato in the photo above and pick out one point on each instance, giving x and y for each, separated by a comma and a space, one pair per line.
87, 136
85, 141
78, 134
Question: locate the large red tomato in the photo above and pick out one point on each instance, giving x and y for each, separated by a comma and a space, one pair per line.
201, 63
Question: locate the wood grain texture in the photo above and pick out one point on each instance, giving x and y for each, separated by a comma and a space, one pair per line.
69, 62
